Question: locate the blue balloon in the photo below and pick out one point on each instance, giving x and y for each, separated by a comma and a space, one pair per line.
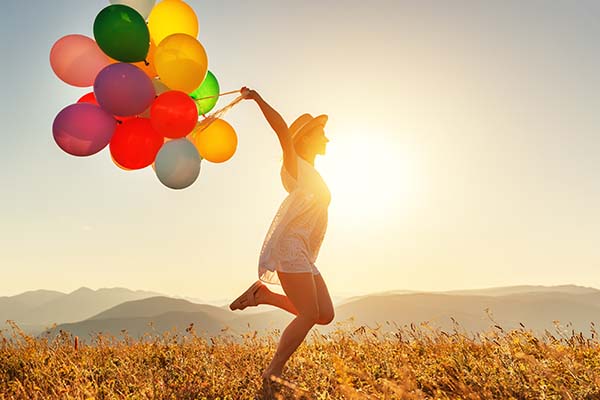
177, 164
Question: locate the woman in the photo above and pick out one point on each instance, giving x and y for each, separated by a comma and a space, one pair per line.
292, 243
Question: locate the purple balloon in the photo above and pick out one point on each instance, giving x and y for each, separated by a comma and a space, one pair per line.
83, 129
123, 89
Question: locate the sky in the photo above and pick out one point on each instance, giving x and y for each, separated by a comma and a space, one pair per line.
464, 151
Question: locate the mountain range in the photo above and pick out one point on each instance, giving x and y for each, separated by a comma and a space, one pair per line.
115, 311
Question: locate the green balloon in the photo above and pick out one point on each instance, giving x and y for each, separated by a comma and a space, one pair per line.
122, 33
208, 87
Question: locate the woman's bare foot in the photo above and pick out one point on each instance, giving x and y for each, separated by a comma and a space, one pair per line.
250, 298
262, 294
271, 371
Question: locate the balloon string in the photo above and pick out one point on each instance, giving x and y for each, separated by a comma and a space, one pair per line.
209, 119
215, 114
218, 95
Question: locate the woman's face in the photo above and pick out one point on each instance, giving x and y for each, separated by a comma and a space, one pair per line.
316, 141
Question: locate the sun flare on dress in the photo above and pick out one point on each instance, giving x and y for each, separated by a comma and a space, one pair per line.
294, 238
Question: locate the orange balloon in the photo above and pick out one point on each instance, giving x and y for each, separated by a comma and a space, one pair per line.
216, 142
149, 69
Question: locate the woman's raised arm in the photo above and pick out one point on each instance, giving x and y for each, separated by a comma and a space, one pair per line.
279, 126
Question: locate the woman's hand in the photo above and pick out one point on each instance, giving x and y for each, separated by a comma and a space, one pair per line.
249, 93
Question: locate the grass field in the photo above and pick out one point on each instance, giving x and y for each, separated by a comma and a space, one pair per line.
411, 362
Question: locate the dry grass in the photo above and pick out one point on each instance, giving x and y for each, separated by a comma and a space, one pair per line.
349, 363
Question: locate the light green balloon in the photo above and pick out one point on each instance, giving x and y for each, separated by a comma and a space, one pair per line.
209, 87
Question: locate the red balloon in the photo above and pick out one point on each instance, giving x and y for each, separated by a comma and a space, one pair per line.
88, 98
174, 114
135, 143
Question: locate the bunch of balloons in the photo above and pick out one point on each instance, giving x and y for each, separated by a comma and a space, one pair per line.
151, 92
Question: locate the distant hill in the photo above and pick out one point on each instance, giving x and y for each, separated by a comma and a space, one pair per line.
536, 310
503, 291
85, 311
136, 327
14, 307
165, 313
158, 305
494, 291
59, 307
32, 298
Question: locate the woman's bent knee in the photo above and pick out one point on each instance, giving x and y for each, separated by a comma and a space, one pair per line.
312, 318
325, 319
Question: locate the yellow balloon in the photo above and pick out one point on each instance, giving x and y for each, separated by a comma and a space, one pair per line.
169, 17
217, 142
181, 62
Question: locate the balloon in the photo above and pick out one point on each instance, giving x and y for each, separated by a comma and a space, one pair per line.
210, 87
148, 64
177, 164
181, 62
135, 143
169, 17
216, 142
90, 98
117, 164
159, 87
173, 114
142, 6
83, 129
123, 89
77, 59
121, 33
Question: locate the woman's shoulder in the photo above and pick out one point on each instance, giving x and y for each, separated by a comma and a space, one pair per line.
298, 167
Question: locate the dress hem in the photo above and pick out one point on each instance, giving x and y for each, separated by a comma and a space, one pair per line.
270, 275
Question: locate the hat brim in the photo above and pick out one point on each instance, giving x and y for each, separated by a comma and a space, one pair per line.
320, 120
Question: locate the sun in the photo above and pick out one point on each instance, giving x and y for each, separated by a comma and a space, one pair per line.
369, 176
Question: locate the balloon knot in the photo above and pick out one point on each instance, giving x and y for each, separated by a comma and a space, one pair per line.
146, 62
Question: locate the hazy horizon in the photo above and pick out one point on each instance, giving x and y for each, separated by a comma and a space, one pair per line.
336, 295
464, 140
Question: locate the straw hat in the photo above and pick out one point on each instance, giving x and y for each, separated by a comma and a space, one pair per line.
304, 124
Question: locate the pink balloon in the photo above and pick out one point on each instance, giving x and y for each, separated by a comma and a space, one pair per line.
77, 59
123, 89
83, 129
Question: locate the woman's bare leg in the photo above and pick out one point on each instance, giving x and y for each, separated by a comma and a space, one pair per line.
301, 292
266, 296
326, 313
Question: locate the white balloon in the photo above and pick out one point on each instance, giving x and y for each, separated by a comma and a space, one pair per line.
177, 164
142, 6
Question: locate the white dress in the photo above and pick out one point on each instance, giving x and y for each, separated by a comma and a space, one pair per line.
297, 231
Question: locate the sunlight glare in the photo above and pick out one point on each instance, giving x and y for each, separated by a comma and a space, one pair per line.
369, 176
